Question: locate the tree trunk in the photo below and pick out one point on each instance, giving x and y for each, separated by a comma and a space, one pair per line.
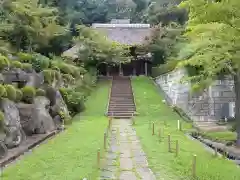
237, 105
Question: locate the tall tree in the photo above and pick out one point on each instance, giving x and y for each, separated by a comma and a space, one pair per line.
31, 24
94, 48
214, 44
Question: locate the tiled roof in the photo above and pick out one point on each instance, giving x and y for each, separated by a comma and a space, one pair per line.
129, 34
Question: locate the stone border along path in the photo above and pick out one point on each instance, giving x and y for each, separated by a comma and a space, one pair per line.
125, 159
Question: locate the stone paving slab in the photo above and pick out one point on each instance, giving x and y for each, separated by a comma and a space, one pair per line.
125, 159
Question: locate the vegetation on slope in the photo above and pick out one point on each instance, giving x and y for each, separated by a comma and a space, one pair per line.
73, 153
151, 109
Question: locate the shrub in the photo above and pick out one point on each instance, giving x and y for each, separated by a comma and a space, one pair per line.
48, 76
27, 67
4, 62
65, 68
19, 95
74, 100
2, 91
40, 92
11, 92
16, 64
40, 62
25, 57
164, 68
68, 78
57, 74
65, 117
28, 94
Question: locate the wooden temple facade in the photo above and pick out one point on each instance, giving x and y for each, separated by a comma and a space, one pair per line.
122, 31
133, 35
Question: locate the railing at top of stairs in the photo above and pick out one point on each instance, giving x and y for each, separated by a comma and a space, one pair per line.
109, 96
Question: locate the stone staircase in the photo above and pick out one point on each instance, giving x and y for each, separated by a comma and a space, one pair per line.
121, 100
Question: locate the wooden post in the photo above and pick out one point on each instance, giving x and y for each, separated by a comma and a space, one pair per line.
179, 125
98, 158
194, 162
159, 133
133, 120
215, 151
177, 148
153, 129
169, 143
120, 70
109, 122
105, 141
107, 70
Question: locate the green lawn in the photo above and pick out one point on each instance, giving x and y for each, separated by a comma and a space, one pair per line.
151, 108
72, 155
221, 136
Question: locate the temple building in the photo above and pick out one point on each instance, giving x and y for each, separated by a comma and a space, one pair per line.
133, 35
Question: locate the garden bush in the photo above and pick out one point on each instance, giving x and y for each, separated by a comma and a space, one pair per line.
74, 100
40, 62
57, 74
19, 95
25, 57
65, 117
164, 68
48, 76
28, 94
16, 64
65, 68
10, 92
40, 92
68, 78
4, 62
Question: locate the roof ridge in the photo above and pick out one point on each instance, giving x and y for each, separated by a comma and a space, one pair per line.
106, 25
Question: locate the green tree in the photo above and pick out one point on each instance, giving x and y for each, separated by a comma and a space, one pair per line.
214, 44
165, 42
95, 48
165, 12
30, 24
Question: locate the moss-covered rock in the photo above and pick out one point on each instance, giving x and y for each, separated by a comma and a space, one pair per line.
28, 94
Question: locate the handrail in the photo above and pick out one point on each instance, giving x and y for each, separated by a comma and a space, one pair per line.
109, 96
134, 100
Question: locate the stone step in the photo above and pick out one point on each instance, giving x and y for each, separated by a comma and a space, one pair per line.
122, 109
121, 117
121, 104
120, 114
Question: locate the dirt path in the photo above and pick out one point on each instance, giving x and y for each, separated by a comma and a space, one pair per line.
125, 157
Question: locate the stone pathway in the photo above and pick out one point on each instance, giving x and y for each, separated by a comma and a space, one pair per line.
125, 159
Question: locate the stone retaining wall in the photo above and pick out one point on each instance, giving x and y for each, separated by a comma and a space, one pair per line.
212, 104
